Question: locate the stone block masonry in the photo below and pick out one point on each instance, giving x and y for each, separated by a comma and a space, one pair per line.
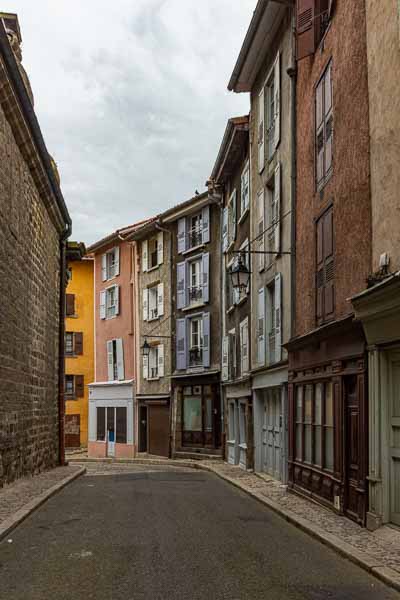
29, 319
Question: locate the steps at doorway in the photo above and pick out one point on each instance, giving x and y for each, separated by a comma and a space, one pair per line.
198, 454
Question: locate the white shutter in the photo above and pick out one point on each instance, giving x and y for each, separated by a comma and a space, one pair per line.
225, 358
277, 100
145, 254
160, 248
261, 131
261, 228
116, 260
104, 267
110, 361
120, 360
116, 299
225, 229
277, 209
160, 299
145, 304
278, 317
261, 327
145, 367
246, 341
234, 216
103, 304
160, 359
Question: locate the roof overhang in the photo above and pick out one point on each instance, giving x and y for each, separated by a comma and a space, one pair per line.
235, 138
266, 20
186, 208
75, 251
120, 235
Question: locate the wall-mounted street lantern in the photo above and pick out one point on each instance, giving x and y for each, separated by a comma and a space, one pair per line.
239, 274
146, 348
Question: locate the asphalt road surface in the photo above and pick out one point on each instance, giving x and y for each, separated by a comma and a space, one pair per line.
170, 534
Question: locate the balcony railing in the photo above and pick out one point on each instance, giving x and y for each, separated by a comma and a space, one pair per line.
153, 372
195, 293
195, 238
153, 313
195, 357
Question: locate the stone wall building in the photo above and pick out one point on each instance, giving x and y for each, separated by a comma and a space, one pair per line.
327, 368
34, 224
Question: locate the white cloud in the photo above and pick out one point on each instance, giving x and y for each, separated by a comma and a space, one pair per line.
131, 97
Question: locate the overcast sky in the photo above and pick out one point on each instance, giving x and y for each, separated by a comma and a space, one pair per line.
132, 98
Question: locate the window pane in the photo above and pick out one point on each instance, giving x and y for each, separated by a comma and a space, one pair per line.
307, 444
192, 413
318, 446
318, 404
242, 423
208, 415
308, 404
328, 404
329, 460
299, 404
101, 424
110, 424
231, 432
121, 425
299, 442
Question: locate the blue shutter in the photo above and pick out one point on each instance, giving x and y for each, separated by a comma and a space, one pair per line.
181, 235
181, 285
180, 344
206, 224
206, 339
206, 269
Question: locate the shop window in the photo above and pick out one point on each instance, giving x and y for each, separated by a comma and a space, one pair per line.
242, 423
101, 424
121, 425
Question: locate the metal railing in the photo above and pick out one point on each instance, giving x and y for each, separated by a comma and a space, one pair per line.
195, 238
195, 293
195, 357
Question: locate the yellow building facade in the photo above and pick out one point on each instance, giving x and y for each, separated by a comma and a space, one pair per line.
79, 345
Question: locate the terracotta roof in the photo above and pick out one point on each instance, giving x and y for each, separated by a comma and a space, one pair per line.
122, 231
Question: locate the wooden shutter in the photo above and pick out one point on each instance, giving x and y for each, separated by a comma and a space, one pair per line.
319, 276
329, 267
103, 304
206, 224
260, 228
181, 235
116, 260
328, 118
160, 299
225, 358
79, 386
145, 304
70, 305
110, 361
277, 208
205, 269
261, 327
206, 340
234, 215
277, 101
117, 299
261, 131
160, 248
320, 137
78, 342
306, 39
181, 358
145, 367
160, 359
120, 359
225, 229
145, 255
181, 285
104, 267
278, 317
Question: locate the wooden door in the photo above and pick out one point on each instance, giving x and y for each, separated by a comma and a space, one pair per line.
394, 441
72, 431
111, 431
277, 428
272, 434
353, 440
143, 429
159, 430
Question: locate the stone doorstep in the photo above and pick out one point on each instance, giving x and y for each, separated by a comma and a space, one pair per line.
20, 515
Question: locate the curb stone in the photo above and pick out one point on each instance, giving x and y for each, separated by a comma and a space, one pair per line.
24, 512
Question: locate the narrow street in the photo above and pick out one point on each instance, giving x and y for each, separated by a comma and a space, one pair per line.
131, 532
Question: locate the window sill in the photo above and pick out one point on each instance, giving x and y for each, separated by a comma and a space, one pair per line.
189, 250
243, 446
230, 246
110, 278
71, 316
152, 269
193, 306
109, 318
242, 300
70, 399
244, 215
71, 356
324, 182
230, 309
153, 378
153, 319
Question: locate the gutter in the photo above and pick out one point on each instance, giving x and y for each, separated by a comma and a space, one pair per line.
292, 72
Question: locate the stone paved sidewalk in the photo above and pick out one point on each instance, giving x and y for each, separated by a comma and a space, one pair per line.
15, 496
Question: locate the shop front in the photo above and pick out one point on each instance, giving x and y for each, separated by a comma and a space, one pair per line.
239, 426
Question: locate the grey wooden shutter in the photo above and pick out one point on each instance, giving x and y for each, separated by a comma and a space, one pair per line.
234, 215
319, 124
205, 269
70, 305
277, 208
104, 267
145, 304
78, 342
319, 276
261, 228
103, 304
117, 299
181, 285
305, 28
261, 131
160, 299
145, 367
277, 101
120, 359
328, 118
181, 353
261, 327
181, 235
225, 358
116, 260
160, 359
145, 256
225, 229
206, 224
110, 361
160, 248
329, 267
206, 340
278, 317
79, 386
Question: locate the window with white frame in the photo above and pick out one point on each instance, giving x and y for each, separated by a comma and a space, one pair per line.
153, 252
194, 230
232, 354
196, 341
153, 364
153, 302
244, 346
192, 281
245, 190
274, 319
115, 360
272, 100
232, 218
69, 342
241, 294
193, 341
271, 321
111, 302
261, 228
195, 268
70, 386
110, 263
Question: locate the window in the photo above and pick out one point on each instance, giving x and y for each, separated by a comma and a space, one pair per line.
271, 321
242, 424
244, 347
274, 319
232, 355
313, 17
70, 305
273, 214
269, 114
153, 365
115, 360
193, 341
261, 326
193, 281
110, 264
261, 229
230, 291
101, 424
120, 425
232, 218
324, 127
70, 387
109, 302
261, 132
270, 100
325, 273
245, 190
242, 293
194, 230
153, 302
73, 343
314, 436
153, 252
